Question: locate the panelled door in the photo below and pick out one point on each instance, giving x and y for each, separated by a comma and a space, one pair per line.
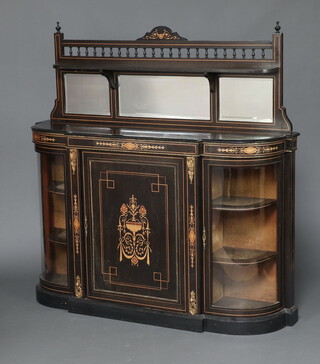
136, 229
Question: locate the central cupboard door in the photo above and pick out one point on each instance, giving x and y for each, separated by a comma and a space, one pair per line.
135, 229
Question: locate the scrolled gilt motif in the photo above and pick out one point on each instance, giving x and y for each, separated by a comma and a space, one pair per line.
134, 233
191, 166
78, 287
73, 160
192, 236
193, 303
129, 146
76, 224
248, 149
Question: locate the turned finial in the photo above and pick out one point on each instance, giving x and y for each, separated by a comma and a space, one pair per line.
277, 27
58, 28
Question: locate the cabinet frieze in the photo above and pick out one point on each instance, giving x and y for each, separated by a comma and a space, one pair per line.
133, 145
49, 138
116, 144
247, 150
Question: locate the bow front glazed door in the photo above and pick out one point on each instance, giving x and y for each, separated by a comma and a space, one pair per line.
243, 257
135, 231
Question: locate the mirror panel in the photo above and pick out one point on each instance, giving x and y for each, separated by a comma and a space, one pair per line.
172, 97
86, 94
245, 99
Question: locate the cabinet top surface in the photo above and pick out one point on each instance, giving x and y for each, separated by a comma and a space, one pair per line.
182, 136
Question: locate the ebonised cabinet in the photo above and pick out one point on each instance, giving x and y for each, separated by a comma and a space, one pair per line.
179, 214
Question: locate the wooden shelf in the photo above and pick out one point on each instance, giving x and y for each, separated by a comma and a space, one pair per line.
238, 203
241, 303
230, 255
56, 187
58, 236
56, 278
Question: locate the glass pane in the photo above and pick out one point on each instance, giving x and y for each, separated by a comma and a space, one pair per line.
244, 237
54, 220
246, 99
173, 97
86, 94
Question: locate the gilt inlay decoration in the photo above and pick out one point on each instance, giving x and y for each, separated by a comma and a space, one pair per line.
76, 223
192, 236
190, 165
248, 150
204, 237
78, 287
73, 160
134, 233
43, 138
193, 303
129, 146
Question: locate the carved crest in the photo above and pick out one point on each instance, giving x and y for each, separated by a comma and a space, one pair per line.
161, 33
134, 232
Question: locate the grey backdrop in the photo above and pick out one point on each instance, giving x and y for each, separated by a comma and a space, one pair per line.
31, 333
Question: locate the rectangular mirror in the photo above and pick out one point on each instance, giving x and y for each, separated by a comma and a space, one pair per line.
86, 94
171, 97
246, 99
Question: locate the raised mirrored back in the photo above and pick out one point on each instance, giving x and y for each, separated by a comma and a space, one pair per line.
240, 99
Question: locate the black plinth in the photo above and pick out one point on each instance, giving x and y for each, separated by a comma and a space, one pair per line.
181, 321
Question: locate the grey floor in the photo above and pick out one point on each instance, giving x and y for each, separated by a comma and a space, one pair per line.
32, 333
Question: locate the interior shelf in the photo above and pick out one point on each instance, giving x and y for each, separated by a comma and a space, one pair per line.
56, 278
239, 203
241, 303
231, 255
58, 235
56, 187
